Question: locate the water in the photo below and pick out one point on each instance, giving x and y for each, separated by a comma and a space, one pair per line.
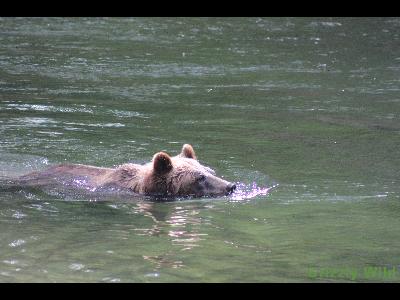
303, 113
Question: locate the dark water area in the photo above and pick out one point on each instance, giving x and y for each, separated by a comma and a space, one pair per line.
302, 113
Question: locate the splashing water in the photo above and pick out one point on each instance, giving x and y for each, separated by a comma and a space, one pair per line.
248, 191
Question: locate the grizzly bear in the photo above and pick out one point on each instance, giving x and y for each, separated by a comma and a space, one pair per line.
180, 175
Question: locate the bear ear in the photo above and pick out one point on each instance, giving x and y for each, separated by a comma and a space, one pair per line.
188, 152
162, 163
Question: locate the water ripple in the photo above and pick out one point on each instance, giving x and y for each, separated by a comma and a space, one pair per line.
17, 243
249, 191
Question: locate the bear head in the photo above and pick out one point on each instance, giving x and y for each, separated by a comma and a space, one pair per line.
183, 175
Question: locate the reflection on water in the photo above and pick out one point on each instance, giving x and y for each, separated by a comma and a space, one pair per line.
181, 224
178, 222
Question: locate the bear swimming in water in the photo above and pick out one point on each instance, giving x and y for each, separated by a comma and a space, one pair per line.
180, 175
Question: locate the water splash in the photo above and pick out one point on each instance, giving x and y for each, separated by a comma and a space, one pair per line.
249, 191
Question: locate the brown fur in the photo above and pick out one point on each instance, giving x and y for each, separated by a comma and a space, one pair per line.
188, 152
181, 175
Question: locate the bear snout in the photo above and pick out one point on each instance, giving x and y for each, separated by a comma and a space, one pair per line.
231, 187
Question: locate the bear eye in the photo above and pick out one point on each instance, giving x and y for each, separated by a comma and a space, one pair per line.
201, 178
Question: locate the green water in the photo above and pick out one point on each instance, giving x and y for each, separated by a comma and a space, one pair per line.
308, 106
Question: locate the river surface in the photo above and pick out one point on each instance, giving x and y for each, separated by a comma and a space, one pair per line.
302, 113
